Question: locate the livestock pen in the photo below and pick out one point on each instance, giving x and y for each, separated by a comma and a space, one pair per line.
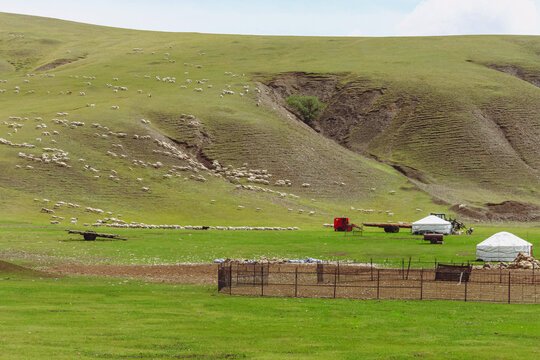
369, 281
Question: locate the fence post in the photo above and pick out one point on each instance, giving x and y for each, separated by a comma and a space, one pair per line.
421, 283
230, 279
378, 276
262, 280
296, 282
371, 269
320, 273
435, 263
509, 287
335, 281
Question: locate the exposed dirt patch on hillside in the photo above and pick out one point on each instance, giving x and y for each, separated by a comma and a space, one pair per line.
308, 84
202, 274
357, 112
412, 173
187, 132
56, 63
520, 73
505, 211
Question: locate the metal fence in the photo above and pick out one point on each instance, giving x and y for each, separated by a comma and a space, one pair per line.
367, 281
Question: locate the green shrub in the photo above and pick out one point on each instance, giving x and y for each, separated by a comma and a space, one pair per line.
308, 107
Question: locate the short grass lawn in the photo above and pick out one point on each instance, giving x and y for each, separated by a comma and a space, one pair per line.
96, 318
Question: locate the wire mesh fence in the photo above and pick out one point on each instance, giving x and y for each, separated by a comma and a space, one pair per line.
367, 281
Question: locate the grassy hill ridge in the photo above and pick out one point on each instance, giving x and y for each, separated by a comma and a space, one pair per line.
439, 108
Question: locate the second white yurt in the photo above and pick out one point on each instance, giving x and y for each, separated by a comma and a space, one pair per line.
432, 225
502, 246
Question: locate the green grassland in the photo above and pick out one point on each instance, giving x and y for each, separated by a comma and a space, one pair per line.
96, 318
473, 132
44, 246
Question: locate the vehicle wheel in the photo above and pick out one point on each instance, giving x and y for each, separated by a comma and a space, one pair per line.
391, 229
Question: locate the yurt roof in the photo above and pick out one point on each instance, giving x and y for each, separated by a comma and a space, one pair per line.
504, 239
431, 220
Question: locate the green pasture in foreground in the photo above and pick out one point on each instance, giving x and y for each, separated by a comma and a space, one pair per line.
42, 246
83, 318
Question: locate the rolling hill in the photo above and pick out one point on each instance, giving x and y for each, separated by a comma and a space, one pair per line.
185, 128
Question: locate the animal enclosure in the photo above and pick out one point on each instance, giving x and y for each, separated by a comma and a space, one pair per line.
361, 281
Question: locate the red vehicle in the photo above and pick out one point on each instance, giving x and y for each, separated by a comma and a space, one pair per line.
342, 224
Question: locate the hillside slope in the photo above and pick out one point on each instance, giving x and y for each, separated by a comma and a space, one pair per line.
408, 122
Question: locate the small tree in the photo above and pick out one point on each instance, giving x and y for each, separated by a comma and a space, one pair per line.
308, 106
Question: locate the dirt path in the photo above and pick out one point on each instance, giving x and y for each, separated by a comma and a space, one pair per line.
201, 274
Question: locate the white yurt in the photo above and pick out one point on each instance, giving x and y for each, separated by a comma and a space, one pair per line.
432, 225
502, 246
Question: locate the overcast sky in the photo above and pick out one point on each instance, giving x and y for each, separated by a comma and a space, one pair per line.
298, 17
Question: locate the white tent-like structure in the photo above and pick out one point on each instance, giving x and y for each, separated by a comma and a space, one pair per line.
432, 225
502, 246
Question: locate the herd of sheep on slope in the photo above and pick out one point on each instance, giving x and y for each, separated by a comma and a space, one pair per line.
58, 126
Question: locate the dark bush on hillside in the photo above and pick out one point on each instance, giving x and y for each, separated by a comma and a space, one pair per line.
307, 106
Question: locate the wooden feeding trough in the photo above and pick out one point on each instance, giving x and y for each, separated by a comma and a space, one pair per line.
92, 235
434, 238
